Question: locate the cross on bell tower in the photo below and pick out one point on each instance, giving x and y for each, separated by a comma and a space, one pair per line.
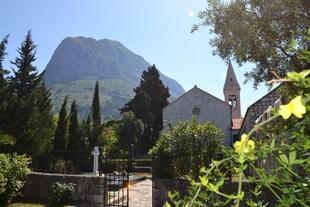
232, 92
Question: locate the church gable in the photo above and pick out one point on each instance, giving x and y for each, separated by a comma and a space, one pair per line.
202, 105
194, 93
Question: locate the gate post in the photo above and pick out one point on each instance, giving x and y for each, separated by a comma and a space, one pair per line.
130, 158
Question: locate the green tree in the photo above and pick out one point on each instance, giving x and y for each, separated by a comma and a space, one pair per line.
3, 72
109, 139
3, 84
87, 129
129, 130
147, 104
74, 138
259, 32
96, 117
31, 120
61, 139
26, 77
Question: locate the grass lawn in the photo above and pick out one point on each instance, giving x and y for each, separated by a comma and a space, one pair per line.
26, 205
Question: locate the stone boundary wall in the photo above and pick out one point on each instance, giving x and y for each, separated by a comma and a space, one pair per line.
89, 189
161, 187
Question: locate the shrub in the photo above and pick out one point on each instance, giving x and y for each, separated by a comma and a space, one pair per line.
185, 148
58, 165
61, 194
13, 173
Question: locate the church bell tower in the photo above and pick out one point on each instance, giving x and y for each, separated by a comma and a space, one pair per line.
232, 92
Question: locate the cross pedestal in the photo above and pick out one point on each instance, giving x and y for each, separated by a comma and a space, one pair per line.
95, 152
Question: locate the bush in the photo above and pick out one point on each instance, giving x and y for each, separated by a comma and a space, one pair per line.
185, 148
57, 165
61, 194
13, 173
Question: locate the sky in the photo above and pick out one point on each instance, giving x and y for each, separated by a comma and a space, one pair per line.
158, 30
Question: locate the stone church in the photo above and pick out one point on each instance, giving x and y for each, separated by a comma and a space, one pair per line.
226, 115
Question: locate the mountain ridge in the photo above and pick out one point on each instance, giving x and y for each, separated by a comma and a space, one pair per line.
80, 59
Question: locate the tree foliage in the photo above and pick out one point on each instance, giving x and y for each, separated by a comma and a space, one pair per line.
4, 95
147, 104
30, 120
96, 117
13, 173
259, 32
61, 140
74, 138
185, 148
129, 130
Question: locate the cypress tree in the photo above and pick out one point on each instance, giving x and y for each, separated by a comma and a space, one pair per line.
96, 107
87, 130
61, 139
74, 139
31, 120
96, 117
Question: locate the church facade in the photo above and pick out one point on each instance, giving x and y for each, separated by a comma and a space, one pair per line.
205, 107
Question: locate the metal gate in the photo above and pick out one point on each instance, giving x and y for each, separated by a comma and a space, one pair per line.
116, 182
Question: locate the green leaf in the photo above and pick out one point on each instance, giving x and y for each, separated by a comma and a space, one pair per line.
292, 157
283, 158
298, 162
272, 144
212, 187
167, 204
220, 183
298, 76
305, 73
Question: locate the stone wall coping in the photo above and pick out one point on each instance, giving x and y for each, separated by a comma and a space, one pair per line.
66, 175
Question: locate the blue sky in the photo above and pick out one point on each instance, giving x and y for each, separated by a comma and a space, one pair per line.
158, 30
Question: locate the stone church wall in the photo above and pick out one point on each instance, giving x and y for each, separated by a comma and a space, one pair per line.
211, 109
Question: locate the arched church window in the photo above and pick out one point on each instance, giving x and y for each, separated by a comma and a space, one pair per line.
232, 101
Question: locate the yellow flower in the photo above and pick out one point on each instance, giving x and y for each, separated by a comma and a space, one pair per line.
244, 145
294, 107
251, 144
237, 146
244, 137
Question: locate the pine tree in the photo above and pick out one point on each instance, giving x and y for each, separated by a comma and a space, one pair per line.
74, 139
61, 139
31, 121
96, 117
3, 84
147, 104
3, 72
26, 76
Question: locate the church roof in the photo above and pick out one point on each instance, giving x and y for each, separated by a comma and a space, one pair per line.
231, 79
202, 91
